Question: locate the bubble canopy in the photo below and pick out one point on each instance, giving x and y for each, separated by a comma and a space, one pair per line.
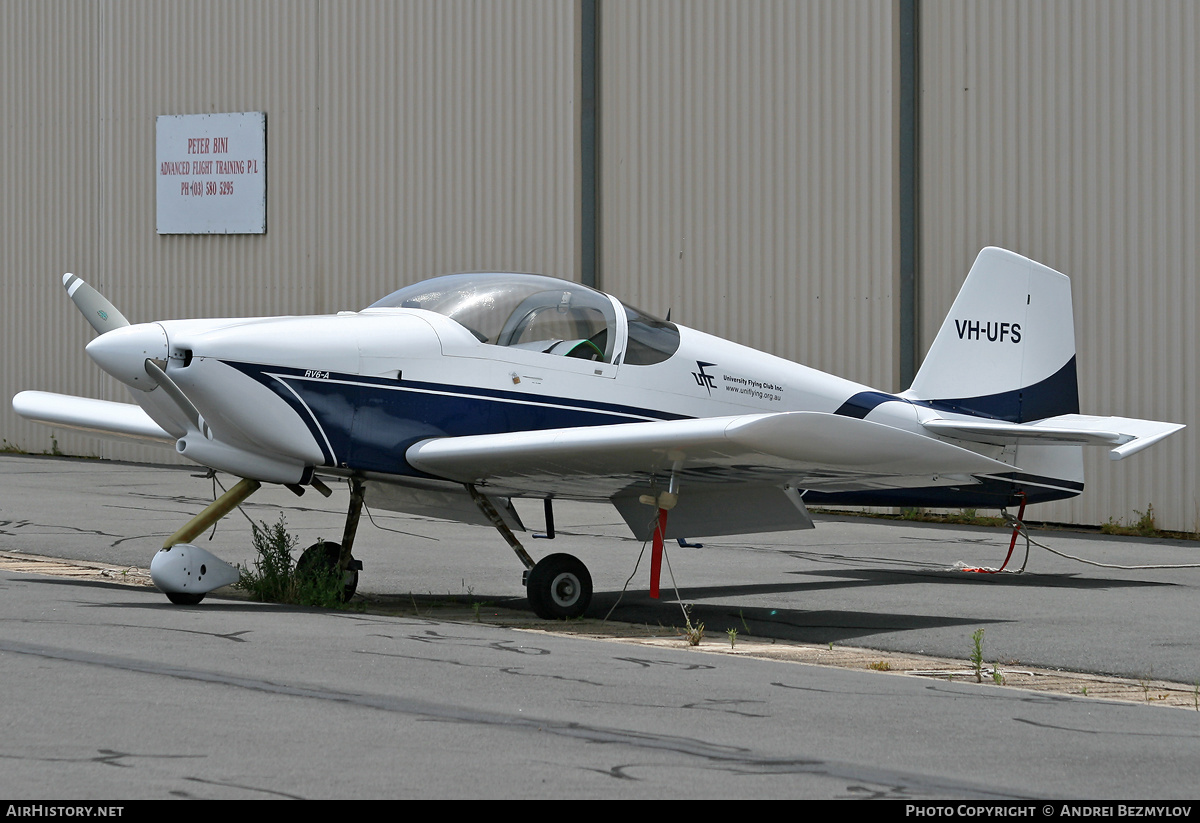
532, 311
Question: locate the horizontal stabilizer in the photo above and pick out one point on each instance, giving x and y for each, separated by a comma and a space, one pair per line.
100, 417
1124, 435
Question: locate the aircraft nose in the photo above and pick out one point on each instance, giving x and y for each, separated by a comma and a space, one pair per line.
122, 352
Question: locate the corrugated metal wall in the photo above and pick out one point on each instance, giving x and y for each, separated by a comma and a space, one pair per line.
50, 193
404, 140
747, 175
747, 167
1067, 131
448, 135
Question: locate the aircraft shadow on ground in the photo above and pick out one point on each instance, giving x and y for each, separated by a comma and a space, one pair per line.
796, 624
848, 578
821, 625
759, 623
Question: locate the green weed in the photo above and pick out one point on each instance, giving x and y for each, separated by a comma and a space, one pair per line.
693, 633
977, 654
963, 517
1144, 526
275, 577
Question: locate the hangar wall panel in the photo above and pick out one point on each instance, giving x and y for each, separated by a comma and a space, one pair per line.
447, 143
1068, 132
403, 140
747, 169
50, 193
168, 58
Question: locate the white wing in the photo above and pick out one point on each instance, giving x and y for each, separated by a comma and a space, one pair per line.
736, 474
101, 417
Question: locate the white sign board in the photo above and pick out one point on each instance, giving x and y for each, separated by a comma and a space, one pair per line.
212, 173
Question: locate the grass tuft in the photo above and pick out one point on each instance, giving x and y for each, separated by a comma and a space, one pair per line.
977, 654
275, 577
1144, 526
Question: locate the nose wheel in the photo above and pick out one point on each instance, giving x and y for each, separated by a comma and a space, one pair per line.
322, 558
559, 586
184, 598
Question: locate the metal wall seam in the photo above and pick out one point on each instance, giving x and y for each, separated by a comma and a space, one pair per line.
1068, 133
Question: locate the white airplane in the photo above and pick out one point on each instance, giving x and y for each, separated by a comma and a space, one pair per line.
453, 396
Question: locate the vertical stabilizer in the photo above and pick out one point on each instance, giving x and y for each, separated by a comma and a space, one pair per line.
1006, 350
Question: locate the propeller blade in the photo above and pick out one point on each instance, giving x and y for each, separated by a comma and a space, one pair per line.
155, 370
94, 306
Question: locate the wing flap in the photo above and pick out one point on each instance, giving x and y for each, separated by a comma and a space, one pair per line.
1123, 435
436, 501
720, 510
101, 417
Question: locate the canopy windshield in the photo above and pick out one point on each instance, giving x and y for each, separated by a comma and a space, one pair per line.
519, 310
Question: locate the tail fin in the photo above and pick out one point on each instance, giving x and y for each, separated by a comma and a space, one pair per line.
1006, 351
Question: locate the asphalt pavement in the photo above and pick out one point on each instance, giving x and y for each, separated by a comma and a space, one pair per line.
110, 691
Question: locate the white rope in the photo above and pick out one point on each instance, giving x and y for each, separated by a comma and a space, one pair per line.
671, 572
1021, 526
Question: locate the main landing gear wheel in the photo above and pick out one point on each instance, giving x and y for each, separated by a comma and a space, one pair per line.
323, 556
184, 598
559, 586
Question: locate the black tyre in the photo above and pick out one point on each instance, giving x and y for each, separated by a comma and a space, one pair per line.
558, 587
321, 557
184, 598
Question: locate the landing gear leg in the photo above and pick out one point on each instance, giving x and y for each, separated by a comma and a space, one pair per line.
357, 494
558, 586
213, 512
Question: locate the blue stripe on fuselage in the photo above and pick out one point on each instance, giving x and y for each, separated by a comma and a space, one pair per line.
863, 403
1057, 394
367, 423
